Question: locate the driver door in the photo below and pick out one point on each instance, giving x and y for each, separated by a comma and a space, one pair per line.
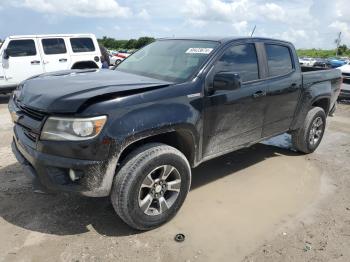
234, 117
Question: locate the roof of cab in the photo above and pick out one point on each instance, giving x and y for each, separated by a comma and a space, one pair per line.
224, 39
51, 35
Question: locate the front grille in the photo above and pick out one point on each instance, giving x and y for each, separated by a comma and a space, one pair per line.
31, 112
346, 74
32, 136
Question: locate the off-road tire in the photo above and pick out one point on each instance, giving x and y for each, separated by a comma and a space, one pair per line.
127, 182
300, 137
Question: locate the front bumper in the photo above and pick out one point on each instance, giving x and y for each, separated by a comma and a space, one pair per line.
51, 162
53, 171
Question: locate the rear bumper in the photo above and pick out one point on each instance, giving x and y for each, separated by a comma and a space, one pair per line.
53, 171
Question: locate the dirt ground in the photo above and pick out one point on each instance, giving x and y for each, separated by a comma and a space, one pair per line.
265, 203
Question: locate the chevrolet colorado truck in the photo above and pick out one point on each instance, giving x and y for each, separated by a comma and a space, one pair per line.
135, 132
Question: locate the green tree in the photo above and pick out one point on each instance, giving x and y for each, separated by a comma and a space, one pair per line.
131, 44
142, 41
342, 49
112, 43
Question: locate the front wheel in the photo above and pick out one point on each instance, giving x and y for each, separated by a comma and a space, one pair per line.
151, 186
307, 138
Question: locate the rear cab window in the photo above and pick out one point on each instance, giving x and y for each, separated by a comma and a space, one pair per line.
82, 44
279, 59
54, 46
19, 48
241, 59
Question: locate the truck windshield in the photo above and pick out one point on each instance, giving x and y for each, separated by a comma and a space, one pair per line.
169, 60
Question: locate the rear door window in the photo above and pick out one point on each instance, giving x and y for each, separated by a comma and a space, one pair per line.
82, 44
54, 46
241, 59
18, 48
279, 60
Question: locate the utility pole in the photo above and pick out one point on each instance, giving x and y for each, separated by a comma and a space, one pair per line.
338, 41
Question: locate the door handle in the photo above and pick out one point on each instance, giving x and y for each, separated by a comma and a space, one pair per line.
35, 62
259, 94
63, 60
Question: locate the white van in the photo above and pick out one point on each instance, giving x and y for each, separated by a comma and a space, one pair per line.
24, 56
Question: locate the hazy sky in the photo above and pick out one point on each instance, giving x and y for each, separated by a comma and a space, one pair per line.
307, 23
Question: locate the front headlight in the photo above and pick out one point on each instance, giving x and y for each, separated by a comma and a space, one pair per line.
72, 129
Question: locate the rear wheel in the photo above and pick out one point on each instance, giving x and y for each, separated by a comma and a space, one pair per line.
151, 186
307, 138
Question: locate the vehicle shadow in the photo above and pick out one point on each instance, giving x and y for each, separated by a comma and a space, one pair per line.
231, 163
4, 99
67, 214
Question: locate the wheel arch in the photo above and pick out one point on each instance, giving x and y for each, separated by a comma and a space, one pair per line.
307, 103
84, 65
182, 139
323, 102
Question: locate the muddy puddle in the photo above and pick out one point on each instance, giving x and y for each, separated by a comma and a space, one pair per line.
240, 200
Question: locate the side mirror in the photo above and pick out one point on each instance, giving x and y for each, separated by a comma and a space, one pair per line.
5, 55
227, 81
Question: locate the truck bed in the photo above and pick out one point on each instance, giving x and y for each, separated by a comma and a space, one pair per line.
325, 81
312, 75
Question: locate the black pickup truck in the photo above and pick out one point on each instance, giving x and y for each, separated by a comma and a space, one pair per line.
135, 132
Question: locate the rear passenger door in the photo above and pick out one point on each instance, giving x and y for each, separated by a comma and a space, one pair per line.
284, 87
233, 118
85, 49
55, 54
24, 60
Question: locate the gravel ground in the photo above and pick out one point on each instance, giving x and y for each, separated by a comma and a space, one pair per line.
264, 203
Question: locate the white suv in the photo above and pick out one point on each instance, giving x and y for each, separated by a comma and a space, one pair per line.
24, 56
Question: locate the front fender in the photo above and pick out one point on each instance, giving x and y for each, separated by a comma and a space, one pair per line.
153, 119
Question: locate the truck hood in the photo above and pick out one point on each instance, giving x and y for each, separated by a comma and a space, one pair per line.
66, 91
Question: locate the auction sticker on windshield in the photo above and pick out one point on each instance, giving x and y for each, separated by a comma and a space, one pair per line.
199, 50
